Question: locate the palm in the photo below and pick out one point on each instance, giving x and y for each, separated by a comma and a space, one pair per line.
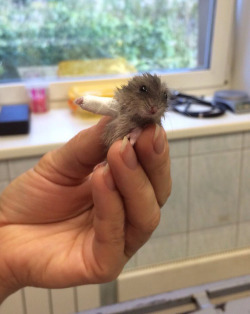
41, 198
60, 229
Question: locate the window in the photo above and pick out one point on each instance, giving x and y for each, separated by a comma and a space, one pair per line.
149, 34
186, 41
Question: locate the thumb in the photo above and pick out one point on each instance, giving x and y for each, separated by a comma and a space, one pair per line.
109, 225
76, 159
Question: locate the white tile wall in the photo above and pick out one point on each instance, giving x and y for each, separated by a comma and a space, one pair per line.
178, 148
163, 249
63, 301
218, 143
43, 301
212, 240
132, 263
4, 171
14, 304
243, 239
214, 189
174, 212
246, 139
87, 297
37, 300
245, 187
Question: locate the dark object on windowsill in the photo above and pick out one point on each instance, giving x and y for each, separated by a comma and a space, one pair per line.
186, 105
14, 119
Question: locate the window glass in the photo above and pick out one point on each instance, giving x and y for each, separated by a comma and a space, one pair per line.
57, 39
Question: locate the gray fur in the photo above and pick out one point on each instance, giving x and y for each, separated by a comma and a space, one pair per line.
135, 105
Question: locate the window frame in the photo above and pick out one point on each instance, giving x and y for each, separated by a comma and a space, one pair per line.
216, 76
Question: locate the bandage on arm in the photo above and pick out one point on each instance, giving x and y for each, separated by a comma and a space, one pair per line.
105, 106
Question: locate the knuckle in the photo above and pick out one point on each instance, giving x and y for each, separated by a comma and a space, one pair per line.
162, 168
152, 223
142, 186
108, 274
147, 226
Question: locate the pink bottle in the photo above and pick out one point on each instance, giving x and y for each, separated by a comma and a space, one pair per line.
38, 99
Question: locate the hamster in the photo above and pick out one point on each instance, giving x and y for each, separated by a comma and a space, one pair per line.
143, 101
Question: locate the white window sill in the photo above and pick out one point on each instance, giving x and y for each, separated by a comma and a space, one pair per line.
52, 129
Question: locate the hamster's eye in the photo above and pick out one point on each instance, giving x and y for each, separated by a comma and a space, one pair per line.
143, 88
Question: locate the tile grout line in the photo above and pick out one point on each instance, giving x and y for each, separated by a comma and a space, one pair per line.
239, 193
75, 299
188, 198
199, 230
50, 301
24, 300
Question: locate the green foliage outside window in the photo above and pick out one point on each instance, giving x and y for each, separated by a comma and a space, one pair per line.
150, 34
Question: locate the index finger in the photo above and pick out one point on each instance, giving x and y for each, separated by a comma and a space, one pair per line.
141, 207
152, 150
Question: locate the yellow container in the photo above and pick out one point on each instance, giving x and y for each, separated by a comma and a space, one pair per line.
102, 88
77, 91
105, 66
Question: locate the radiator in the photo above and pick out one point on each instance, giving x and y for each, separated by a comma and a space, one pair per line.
229, 296
131, 285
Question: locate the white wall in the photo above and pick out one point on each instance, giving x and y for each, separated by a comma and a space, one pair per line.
241, 60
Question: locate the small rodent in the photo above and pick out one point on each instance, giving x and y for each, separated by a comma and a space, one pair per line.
141, 102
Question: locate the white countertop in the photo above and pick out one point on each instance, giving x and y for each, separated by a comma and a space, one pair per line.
52, 129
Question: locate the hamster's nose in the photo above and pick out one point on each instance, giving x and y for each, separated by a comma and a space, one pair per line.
153, 109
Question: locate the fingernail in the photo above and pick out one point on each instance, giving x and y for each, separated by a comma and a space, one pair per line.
128, 154
124, 144
108, 178
159, 140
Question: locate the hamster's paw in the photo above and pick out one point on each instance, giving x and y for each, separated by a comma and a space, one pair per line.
133, 135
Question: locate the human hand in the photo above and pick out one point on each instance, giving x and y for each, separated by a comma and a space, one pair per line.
63, 225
